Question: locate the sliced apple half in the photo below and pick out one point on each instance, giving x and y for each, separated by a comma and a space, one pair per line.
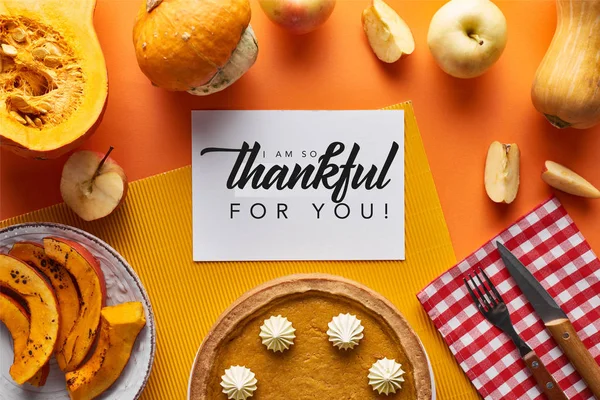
38, 295
16, 319
502, 171
564, 179
61, 281
119, 328
389, 36
92, 184
88, 276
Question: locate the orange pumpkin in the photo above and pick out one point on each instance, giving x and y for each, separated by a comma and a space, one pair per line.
53, 79
199, 46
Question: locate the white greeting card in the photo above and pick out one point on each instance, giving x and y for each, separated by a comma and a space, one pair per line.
298, 185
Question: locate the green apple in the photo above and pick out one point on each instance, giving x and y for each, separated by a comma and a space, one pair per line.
298, 16
466, 37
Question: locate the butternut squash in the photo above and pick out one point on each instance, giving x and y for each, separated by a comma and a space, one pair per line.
567, 82
39, 297
53, 79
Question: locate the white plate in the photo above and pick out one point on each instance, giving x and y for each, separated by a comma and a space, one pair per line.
122, 285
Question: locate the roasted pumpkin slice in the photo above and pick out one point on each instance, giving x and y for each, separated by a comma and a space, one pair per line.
119, 329
61, 281
37, 294
53, 80
16, 319
86, 271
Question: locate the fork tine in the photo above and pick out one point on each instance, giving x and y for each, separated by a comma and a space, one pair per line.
487, 292
482, 298
473, 296
492, 287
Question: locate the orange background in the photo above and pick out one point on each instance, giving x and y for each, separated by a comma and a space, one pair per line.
334, 68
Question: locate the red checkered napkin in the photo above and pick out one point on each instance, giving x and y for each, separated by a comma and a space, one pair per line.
552, 248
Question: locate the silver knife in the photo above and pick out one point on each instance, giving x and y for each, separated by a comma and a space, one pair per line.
555, 319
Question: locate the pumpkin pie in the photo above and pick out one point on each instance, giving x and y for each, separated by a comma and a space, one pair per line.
312, 368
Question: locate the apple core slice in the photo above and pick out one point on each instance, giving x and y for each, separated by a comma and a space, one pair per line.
502, 172
37, 294
389, 36
119, 329
16, 320
61, 281
86, 271
564, 179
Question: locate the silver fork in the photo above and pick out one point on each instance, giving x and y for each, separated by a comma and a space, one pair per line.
492, 307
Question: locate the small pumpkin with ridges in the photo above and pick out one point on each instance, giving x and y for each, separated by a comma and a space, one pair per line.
198, 46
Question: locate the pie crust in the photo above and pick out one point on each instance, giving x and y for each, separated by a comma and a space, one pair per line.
252, 303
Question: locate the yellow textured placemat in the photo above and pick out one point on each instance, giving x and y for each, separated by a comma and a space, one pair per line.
153, 231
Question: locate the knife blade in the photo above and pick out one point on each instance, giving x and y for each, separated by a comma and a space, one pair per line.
555, 320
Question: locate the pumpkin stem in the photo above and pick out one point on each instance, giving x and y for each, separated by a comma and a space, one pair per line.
557, 122
152, 4
101, 164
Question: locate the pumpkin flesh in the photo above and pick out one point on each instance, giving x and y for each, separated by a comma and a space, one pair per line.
86, 272
53, 80
119, 328
16, 320
61, 281
37, 294
566, 84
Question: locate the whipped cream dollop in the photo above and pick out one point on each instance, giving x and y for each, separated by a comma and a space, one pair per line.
386, 376
238, 383
345, 331
277, 333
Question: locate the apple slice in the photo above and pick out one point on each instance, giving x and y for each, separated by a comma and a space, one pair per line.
562, 178
61, 281
16, 319
389, 36
92, 184
502, 172
32, 288
119, 329
86, 272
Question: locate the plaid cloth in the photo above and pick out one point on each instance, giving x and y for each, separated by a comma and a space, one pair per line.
552, 248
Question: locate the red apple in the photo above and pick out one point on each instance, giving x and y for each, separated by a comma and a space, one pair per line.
92, 184
298, 16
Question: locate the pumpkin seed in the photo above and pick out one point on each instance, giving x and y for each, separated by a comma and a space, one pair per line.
19, 35
9, 50
40, 53
52, 62
21, 104
53, 49
16, 116
29, 120
44, 107
38, 122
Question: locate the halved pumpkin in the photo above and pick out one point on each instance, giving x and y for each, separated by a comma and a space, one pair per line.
53, 79
61, 281
29, 285
16, 320
86, 271
119, 329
